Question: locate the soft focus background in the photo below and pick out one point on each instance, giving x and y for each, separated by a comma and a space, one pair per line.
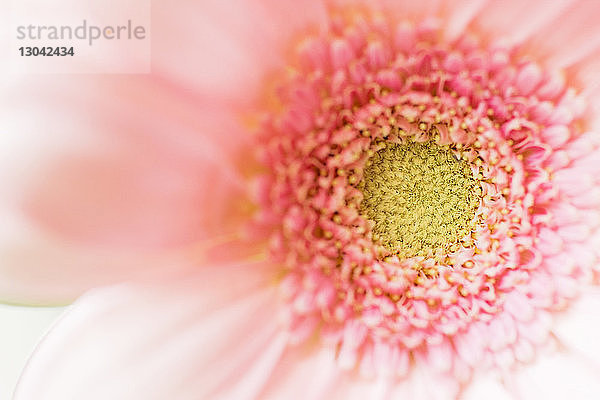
20, 330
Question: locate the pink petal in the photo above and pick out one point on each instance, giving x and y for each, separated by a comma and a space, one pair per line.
576, 40
519, 306
223, 49
355, 388
422, 385
38, 269
204, 337
143, 172
461, 15
532, 24
486, 386
469, 345
312, 372
556, 135
516, 21
115, 172
440, 356
528, 78
304, 372
524, 351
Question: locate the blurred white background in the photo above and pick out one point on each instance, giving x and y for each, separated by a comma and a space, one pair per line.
21, 328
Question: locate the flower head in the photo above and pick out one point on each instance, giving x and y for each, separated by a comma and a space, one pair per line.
421, 194
422, 204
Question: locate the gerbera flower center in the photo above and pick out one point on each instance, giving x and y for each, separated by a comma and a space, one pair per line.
420, 196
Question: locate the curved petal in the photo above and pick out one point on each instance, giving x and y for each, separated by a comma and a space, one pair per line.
421, 387
209, 336
312, 372
562, 32
142, 161
89, 175
525, 18
38, 269
223, 49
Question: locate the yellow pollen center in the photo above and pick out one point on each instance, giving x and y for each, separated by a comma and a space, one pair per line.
420, 196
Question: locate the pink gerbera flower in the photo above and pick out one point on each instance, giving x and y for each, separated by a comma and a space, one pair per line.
347, 201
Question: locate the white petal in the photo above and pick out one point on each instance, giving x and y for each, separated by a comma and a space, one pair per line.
486, 386
579, 327
558, 376
303, 373
190, 340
